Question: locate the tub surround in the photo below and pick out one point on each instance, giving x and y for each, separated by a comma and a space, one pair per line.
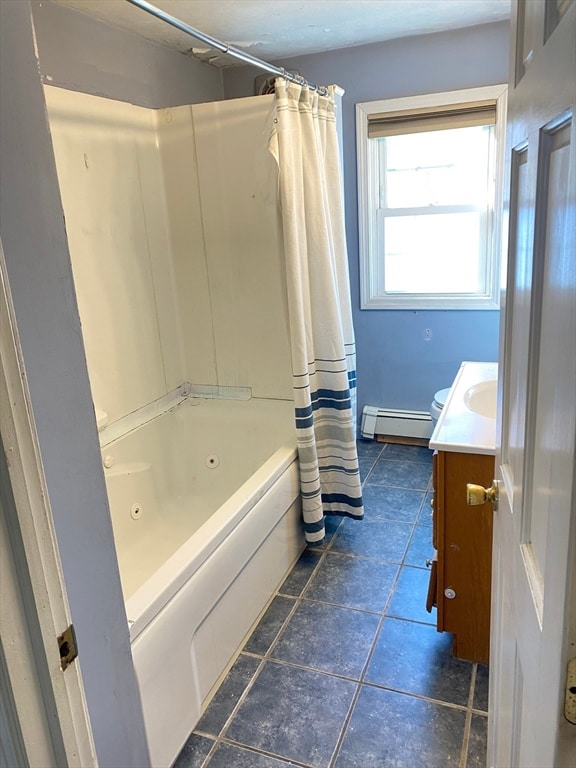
463, 426
169, 288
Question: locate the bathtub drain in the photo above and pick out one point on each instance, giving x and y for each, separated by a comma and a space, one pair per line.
212, 461
136, 512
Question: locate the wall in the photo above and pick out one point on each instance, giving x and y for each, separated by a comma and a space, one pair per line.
396, 367
82, 54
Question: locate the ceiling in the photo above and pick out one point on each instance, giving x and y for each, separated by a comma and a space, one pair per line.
273, 29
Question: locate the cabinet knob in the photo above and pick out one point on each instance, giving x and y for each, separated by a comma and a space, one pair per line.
449, 593
477, 494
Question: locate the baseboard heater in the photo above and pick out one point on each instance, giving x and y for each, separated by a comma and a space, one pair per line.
387, 422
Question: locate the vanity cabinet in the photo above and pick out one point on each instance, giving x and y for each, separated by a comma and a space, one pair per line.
462, 536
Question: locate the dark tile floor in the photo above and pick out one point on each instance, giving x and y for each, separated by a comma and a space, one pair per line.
346, 669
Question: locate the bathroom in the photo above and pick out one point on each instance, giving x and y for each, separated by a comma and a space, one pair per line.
145, 78
403, 374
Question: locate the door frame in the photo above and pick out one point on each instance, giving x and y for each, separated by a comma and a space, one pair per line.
34, 593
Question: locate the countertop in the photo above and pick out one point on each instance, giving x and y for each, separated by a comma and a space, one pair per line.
460, 429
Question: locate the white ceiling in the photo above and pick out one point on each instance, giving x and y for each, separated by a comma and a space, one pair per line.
273, 29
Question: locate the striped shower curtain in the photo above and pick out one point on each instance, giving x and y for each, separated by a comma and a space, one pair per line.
304, 143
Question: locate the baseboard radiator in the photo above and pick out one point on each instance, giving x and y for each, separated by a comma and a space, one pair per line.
387, 422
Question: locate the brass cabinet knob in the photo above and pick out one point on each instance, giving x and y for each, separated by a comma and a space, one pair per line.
477, 494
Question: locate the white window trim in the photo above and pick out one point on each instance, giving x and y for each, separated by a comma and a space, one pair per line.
371, 270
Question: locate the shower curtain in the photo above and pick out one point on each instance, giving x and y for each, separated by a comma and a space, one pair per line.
304, 143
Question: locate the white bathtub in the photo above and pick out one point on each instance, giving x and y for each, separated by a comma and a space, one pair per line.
207, 522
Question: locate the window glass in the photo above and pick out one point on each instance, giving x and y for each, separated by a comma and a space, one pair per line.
436, 168
434, 254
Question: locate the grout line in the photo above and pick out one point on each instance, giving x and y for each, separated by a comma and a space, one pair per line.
292, 761
220, 735
420, 696
380, 560
472, 686
344, 728
267, 657
343, 607
468, 721
413, 621
350, 712
306, 668
211, 751
401, 487
370, 470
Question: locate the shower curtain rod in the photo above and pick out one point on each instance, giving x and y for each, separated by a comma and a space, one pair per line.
224, 47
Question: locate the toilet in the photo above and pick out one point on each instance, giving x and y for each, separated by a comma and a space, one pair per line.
437, 405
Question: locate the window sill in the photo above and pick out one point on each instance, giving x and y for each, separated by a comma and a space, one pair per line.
429, 303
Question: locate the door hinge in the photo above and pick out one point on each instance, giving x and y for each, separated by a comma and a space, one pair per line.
570, 697
67, 646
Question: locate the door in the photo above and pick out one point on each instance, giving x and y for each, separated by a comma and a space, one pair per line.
534, 537
43, 717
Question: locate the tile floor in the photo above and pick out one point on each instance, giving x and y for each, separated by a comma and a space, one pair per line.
346, 669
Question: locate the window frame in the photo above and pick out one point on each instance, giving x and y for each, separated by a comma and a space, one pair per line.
372, 291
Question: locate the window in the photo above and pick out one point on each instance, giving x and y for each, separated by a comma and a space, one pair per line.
429, 203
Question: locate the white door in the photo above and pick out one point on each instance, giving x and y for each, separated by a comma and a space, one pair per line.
533, 615
43, 716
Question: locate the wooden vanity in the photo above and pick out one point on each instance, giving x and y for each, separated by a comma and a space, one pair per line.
462, 537
460, 579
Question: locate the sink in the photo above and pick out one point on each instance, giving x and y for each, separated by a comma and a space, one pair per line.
481, 398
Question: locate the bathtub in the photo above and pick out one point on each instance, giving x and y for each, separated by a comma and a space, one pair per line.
207, 523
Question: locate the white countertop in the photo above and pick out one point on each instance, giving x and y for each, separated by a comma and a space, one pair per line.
460, 429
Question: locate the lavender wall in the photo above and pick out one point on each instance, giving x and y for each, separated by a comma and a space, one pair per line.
397, 368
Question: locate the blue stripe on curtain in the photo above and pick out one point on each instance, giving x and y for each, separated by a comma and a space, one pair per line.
338, 468
323, 398
311, 495
312, 528
304, 423
341, 498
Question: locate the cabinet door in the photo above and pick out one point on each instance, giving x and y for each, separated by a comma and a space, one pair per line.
464, 537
